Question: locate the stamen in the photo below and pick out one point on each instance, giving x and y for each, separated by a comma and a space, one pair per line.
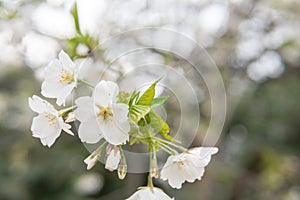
105, 113
66, 77
51, 119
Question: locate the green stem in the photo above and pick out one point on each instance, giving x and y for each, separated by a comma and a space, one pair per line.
76, 19
166, 148
150, 181
172, 144
100, 148
85, 82
66, 110
121, 152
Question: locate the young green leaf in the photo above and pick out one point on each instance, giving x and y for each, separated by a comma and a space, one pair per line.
158, 101
148, 95
159, 124
136, 112
135, 134
133, 97
123, 97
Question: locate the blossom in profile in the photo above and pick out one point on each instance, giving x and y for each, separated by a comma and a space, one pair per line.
60, 78
147, 193
48, 124
187, 166
102, 117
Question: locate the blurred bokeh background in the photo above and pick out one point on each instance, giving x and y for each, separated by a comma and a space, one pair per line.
254, 43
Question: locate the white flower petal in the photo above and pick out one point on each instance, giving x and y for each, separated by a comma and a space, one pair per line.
113, 160
115, 133
204, 154
64, 126
192, 172
37, 104
66, 60
51, 89
174, 174
120, 111
89, 131
64, 93
49, 141
85, 108
105, 93
41, 128
148, 194
53, 70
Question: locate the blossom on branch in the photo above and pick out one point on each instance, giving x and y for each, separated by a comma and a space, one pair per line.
102, 117
60, 78
48, 124
187, 166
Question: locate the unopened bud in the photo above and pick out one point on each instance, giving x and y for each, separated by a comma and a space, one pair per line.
122, 170
91, 160
153, 168
113, 159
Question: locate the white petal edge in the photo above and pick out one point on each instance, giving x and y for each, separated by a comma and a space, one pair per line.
85, 108
37, 104
105, 93
66, 60
89, 131
120, 112
115, 133
66, 127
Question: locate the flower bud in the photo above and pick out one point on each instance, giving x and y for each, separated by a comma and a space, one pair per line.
91, 160
122, 170
153, 171
113, 159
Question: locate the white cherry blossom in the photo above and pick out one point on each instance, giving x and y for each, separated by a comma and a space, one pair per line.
187, 166
147, 194
48, 124
101, 115
60, 78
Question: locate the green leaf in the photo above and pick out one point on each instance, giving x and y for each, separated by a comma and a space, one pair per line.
136, 112
148, 95
158, 101
159, 124
123, 97
133, 97
134, 133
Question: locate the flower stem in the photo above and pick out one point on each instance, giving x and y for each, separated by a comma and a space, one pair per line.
66, 110
171, 144
166, 148
150, 181
121, 151
85, 82
101, 146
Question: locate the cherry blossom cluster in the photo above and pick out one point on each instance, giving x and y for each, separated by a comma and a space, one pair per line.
113, 119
